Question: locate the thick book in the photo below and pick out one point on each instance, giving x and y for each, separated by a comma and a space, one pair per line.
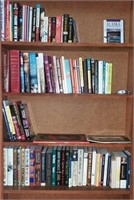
108, 139
60, 138
113, 31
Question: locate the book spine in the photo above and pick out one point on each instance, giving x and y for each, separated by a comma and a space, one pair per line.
32, 166
85, 166
6, 72
53, 29
58, 169
74, 166
22, 75
81, 75
22, 166
41, 72
30, 24
15, 21
14, 67
33, 38
15, 122
85, 75
17, 114
67, 155
33, 73
47, 74
45, 38
67, 75
2, 19
7, 22
49, 166
20, 23
43, 166
75, 34
80, 165
26, 72
70, 30
9, 132
27, 166
24, 120
49, 29
38, 150
37, 23
123, 172
58, 29
63, 166
53, 182
10, 166
65, 27
89, 166
5, 175
59, 75
9, 118
19, 165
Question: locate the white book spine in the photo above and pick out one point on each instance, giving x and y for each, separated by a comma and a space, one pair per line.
10, 166
45, 37
41, 72
100, 77
105, 169
56, 75
5, 175
80, 166
93, 166
30, 24
38, 75
63, 75
2, 19
85, 166
27, 166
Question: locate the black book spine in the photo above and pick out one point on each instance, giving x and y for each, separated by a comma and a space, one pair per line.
53, 29
65, 27
70, 30
85, 77
58, 162
20, 24
33, 25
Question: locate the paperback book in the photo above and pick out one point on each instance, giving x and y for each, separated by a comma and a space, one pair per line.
113, 31
60, 139
115, 139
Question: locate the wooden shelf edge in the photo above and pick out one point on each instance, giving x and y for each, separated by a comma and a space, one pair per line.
6, 94
49, 144
71, 46
65, 190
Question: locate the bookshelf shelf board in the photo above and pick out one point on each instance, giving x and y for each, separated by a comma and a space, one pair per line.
65, 190
67, 46
119, 96
120, 146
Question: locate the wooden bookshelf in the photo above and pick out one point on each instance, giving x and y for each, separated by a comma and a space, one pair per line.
80, 113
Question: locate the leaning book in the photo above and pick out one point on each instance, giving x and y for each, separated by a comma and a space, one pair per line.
115, 139
113, 31
44, 138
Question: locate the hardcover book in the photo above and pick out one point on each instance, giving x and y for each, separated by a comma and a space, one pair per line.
113, 30
108, 139
60, 138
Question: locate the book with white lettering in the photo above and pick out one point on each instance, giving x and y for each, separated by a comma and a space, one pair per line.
108, 139
113, 31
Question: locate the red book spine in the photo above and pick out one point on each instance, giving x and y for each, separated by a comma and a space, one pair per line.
58, 29
7, 24
14, 66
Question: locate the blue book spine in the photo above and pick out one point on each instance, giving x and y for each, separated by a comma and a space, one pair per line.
33, 73
68, 76
53, 181
22, 75
43, 166
127, 153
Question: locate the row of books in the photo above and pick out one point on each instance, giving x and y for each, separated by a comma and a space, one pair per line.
16, 121
25, 23
32, 72
64, 165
